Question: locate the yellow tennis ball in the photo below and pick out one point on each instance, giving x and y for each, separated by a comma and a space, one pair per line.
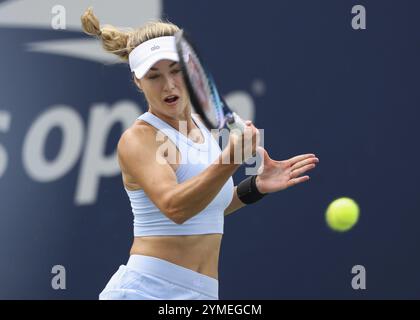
342, 214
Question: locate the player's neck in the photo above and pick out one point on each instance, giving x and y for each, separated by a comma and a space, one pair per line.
178, 122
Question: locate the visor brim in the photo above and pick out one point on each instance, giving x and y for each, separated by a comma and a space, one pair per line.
142, 69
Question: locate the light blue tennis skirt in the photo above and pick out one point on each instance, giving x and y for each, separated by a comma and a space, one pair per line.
150, 278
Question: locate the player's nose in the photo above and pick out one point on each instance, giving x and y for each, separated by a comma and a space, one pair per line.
169, 82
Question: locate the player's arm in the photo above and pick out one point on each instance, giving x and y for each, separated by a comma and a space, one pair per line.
235, 204
139, 155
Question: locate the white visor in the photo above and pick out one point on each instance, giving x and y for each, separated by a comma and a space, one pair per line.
144, 56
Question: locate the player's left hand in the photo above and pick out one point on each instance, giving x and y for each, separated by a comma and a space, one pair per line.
279, 175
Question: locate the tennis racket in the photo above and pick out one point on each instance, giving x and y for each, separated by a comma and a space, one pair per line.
202, 89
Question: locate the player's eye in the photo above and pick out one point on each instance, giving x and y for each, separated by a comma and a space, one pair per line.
153, 76
175, 71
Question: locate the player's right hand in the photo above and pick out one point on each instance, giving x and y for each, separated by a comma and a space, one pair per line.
243, 146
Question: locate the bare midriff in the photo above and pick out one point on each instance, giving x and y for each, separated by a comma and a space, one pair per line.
199, 253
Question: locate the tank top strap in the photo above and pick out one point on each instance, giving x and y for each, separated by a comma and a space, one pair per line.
165, 129
212, 139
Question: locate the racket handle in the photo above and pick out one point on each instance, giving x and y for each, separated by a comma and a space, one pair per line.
235, 122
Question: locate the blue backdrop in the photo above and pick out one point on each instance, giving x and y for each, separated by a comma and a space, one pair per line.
297, 68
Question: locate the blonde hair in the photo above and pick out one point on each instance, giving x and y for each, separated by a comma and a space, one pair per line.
122, 42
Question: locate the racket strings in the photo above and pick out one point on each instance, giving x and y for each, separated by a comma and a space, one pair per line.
202, 86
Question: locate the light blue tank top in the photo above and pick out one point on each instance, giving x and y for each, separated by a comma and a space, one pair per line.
149, 220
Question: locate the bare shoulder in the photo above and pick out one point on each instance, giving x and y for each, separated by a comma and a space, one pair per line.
142, 164
139, 137
138, 131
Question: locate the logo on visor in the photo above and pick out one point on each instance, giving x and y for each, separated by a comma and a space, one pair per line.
155, 48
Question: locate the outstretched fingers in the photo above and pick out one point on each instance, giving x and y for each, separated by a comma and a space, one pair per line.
299, 158
295, 181
302, 163
298, 172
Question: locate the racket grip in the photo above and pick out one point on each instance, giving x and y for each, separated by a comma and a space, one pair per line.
236, 123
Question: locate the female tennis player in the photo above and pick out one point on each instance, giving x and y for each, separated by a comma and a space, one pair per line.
178, 200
